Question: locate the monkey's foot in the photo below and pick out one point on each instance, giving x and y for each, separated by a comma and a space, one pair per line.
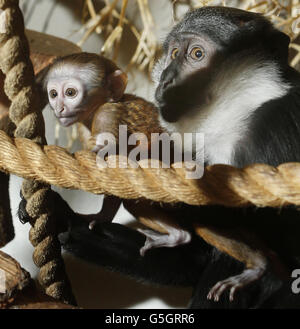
235, 283
154, 239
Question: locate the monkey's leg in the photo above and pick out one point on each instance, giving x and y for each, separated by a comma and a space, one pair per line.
252, 254
117, 247
110, 206
166, 232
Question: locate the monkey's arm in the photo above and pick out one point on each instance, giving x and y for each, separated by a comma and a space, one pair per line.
268, 292
125, 243
118, 247
237, 242
255, 237
233, 243
195, 264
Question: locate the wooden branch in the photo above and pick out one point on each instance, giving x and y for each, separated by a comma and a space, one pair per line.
13, 278
44, 48
19, 291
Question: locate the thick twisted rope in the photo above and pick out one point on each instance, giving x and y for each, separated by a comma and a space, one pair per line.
25, 113
258, 184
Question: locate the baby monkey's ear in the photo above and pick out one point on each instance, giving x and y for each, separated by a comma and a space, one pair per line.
117, 82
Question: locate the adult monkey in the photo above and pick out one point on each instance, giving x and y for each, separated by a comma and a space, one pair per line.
248, 111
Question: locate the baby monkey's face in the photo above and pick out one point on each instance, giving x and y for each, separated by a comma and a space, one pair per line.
66, 98
76, 92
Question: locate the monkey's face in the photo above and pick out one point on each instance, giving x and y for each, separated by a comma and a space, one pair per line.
66, 97
184, 74
76, 90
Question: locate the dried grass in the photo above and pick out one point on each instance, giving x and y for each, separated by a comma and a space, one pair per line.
111, 19
110, 22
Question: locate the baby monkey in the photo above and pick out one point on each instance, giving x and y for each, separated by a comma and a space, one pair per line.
78, 84
88, 89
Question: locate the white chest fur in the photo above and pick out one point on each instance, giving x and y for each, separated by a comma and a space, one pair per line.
236, 93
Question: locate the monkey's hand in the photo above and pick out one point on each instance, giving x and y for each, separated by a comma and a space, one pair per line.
175, 237
235, 283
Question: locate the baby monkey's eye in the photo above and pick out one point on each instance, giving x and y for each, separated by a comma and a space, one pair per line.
53, 93
174, 53
71, 92
197, 53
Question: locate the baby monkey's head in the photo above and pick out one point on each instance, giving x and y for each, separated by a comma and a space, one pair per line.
78, 84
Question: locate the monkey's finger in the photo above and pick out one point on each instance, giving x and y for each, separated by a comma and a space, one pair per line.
211, 293
233, 291
218, 289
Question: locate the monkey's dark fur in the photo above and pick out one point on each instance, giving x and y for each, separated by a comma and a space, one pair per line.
272, 136
197, 264
274, 146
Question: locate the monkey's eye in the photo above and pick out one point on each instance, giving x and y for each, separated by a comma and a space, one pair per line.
53, 93
71, 92
197, 53
174, 53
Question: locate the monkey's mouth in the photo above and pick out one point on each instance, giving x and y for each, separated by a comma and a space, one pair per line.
68, 120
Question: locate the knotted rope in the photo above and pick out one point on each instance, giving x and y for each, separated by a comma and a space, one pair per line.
258, 184
26, 114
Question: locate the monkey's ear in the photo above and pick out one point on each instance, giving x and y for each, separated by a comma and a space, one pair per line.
117, 82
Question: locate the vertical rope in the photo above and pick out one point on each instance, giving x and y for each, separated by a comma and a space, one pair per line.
25, 113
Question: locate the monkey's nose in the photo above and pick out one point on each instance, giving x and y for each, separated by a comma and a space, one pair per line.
61, 109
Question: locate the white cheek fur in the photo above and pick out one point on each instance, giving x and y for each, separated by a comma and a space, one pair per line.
61, 85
